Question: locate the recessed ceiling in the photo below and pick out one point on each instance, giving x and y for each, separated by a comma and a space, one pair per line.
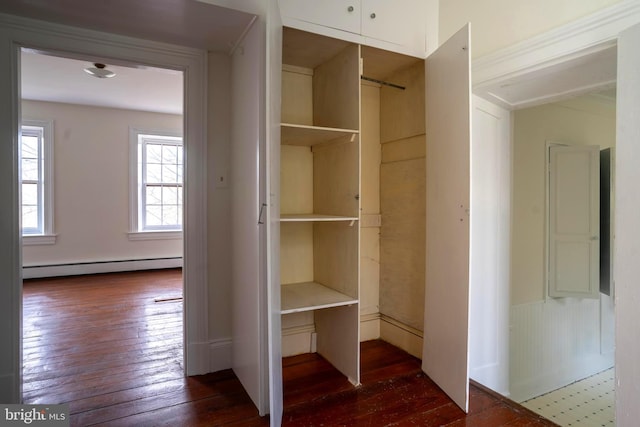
593, 72
56, 79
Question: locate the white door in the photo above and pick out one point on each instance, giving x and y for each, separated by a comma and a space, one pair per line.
574, 221
446, 317
490, 246
272, 198
627, 229
249, 307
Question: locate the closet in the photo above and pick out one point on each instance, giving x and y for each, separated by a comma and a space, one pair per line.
320, 194
324, 280
307, 227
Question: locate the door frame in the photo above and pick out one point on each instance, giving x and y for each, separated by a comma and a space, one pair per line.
17, 32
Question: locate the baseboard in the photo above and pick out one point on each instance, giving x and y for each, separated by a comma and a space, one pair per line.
297, 340
369, 327
220, 355
401, 335
74, 269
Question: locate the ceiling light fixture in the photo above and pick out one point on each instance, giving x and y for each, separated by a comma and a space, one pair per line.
100, 71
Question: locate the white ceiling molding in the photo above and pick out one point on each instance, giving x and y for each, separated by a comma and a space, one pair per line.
510, 76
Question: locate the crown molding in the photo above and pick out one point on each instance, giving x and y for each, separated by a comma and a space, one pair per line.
584, 36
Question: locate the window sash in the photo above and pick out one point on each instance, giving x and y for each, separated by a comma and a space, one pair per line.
35, 132
162, 210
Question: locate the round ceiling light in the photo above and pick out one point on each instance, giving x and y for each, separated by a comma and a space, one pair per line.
100, 71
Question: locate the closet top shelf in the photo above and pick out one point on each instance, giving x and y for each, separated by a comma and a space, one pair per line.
308, 136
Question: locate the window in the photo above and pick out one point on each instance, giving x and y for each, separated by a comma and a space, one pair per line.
36, 180
157, 202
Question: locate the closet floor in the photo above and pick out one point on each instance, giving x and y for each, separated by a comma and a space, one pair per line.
585, 403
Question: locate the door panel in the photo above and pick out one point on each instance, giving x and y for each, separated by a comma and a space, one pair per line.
247, 141
446, 320
574, 221
490, 246
627, 229
272, 198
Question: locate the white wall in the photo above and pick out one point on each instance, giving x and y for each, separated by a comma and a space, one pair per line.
582, 121
496, 24
91, 184
219, 217
553, 342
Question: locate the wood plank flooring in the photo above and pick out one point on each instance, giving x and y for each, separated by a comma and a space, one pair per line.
110, 346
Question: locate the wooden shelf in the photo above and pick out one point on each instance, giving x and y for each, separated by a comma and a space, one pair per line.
314, 218
298, 297
307, 136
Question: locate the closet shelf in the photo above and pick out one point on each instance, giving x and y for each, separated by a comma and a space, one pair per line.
314, 218
307, 296
309, 136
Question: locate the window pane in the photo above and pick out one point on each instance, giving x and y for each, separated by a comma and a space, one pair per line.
170, 154
30, 217
170, 195
153, 216
30, 147
180, 196
30, 194
179, 212
180, 160
154, 174
169, 173
30, 169
170, 215
154, 195
154, 153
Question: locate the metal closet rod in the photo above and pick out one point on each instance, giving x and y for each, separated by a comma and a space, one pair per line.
370, 79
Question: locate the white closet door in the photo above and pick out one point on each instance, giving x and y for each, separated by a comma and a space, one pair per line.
574, 221
248, 251
446, 317
627, 235
490, 246
272, 174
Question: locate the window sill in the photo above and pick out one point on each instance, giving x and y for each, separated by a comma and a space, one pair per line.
39, 239
155, 235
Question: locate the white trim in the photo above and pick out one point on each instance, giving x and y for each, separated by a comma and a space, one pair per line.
135, 208
75, 269
592, 33
220, 354
16, 32
47, 178
39, 239
154, 235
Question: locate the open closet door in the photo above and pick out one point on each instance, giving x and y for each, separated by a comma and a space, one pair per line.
248, 234
446, 317
273, 93
627, 235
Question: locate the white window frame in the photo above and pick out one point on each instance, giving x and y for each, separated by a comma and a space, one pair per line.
136, 202
44, 234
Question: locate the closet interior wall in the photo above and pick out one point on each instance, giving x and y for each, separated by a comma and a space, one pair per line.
382, 162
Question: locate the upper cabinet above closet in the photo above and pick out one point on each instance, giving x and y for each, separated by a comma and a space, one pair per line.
404, 26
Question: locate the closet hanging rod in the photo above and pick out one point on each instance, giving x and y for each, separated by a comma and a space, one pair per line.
370, 79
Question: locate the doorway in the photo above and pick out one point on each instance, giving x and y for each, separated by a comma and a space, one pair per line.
554, 341
115, 48
77, 167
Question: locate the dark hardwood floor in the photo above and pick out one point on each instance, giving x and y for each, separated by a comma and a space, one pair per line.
110, 346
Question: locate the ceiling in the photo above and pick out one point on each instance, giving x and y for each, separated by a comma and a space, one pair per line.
188, 23
56, 79
585, 74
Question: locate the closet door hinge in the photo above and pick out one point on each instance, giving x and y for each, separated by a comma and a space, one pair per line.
260, 220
